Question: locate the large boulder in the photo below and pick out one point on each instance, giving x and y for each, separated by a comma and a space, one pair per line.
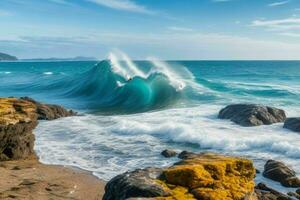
17, 120
198, 176
168, 153
279, 172
252, 115
292, 124
49, 111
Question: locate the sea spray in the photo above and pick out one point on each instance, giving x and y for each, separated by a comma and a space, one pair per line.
165, 69
135, 70
116, 67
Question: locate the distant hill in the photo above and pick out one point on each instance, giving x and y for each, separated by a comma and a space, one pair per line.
5, 57
78, 58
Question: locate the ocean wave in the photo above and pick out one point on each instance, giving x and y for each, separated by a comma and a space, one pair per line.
259, 90
105, 90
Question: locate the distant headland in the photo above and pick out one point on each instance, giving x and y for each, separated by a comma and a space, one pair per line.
7, 57
77, 58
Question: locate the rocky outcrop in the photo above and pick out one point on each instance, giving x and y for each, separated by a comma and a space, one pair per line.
18, 117
17, 120
279, 172
49, 111
198, 176
252, 115
263, 192
167, 153
292, 124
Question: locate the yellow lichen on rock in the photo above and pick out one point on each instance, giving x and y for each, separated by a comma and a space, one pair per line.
211, 177
13, 111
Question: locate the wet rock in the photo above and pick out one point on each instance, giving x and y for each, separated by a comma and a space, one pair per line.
49, 111
168, 153
298, 191
17, 120
252, 115
186, 154
292, 124
139, 183
263, 192
197, 176
295, 195
279, 172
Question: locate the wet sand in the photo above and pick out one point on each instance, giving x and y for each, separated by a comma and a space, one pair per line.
29, 179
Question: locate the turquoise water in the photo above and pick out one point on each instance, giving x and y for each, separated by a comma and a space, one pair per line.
216, 82
134, 110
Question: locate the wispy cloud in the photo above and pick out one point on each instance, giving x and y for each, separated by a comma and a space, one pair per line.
180, 45
221, 0
285, 27
290, 34
279, 3
126, 5
5, 13
279, 25
180, 29
62, 2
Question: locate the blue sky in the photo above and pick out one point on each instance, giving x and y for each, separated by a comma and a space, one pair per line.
168, 29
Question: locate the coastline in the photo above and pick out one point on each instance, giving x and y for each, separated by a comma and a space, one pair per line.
203, 175
22, 175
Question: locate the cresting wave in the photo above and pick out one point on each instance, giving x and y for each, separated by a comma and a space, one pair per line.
119, 86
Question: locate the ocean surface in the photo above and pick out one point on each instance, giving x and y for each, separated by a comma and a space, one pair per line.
132, 110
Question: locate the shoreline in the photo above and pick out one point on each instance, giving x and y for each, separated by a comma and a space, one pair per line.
23, 176
197, 175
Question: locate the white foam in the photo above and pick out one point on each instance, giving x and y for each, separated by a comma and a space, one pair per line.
110, 145
48, 73
7, 72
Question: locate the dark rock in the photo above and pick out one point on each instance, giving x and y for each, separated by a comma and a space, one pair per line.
263, 192
295, 195
279, 172
186, 154
298, 191
257, 171
291, 182
292, 124
49, 111
139, 183
168, 153
252, 115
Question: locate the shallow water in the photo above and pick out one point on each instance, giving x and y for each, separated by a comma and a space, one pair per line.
127, 124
